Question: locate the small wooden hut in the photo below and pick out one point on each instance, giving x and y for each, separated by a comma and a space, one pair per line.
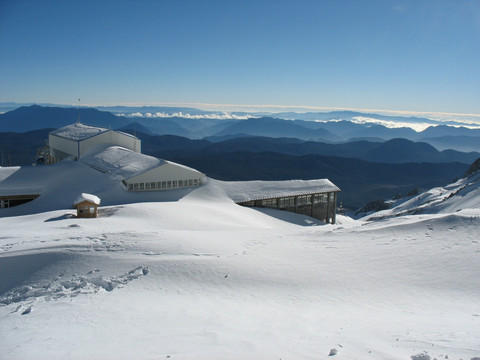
87, 205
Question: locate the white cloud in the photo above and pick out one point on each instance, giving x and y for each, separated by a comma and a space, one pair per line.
390, 124
215, 116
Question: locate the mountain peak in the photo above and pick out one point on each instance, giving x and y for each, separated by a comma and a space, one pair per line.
473, 168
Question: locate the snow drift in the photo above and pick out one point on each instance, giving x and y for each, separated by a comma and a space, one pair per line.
194, 276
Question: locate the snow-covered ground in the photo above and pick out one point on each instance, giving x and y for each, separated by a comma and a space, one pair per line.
194, 276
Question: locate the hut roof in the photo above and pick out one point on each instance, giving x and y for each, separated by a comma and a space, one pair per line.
87, 197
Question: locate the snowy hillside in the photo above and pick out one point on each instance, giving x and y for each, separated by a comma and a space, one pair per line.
462, 194
194, 276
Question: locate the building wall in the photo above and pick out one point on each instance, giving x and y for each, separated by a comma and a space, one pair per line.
164, 177
111, 137
321, 206
60, 146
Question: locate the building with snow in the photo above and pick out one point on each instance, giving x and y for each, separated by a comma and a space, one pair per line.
140, 172
314, 198
119, 154
87, 205
76, 139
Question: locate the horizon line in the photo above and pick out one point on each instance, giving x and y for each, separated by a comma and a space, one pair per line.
252, 107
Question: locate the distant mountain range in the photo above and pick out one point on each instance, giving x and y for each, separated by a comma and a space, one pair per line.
218, 129
395, 151
280, 159
367, 161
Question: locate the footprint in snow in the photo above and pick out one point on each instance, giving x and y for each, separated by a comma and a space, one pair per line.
27, 311
333, 352
423, 356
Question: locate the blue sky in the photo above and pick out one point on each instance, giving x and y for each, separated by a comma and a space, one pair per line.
388, 54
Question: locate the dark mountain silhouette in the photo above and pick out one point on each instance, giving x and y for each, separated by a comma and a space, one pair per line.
276, 128
444, 130
392, 151
164, 126
35, 117
134, 128
383, 132
22, 148
403, 151
460, 142
167, 146
360, 181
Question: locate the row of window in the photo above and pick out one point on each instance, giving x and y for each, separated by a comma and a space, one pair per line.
161, 185
285, 202
6, 203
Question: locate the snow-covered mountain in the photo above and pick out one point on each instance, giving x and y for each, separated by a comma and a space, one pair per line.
195, 276
462, 194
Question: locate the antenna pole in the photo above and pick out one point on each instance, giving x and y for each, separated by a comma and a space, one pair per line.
78, 120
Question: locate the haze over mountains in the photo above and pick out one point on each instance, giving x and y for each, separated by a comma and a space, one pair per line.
367, 160
336, 126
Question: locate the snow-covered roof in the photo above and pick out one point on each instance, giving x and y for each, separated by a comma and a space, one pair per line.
123, 162
78, 131
240, 191
87, 197
11, 184
119, 161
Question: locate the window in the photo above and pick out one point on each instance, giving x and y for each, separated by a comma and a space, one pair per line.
195, 182
159, 185
130, 187
169, 184
269, 203
303, 200
135, 187
190, 182
147, 186
317, 198
141, 186
180, 183
286, 202
152, 185
164, 184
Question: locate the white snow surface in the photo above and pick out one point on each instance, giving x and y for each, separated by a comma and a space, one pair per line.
119, 161
462, 194
78, 131
192, 275
87, 197
254, 190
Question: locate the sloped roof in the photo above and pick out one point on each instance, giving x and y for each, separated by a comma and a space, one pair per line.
240, 191
87, 197
78, 131
119, 161
13, 184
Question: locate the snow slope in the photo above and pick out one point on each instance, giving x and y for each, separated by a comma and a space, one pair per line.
462, 194
203, 278
198, 277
